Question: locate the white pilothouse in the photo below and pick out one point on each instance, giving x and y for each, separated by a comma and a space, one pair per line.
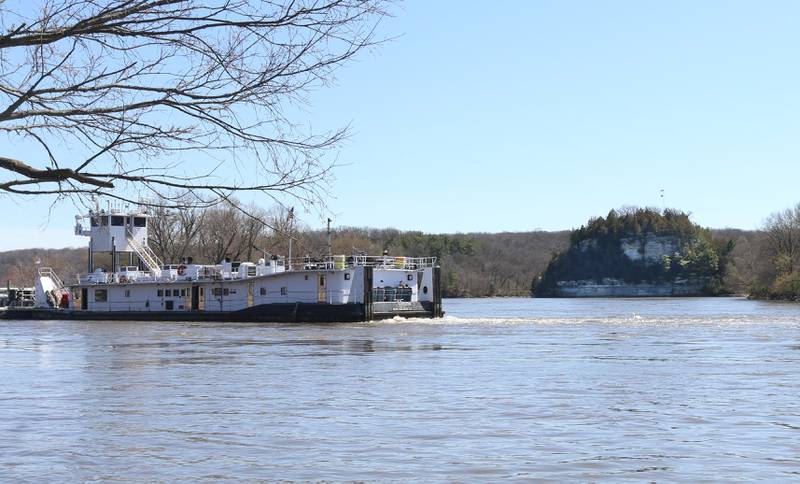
140, 286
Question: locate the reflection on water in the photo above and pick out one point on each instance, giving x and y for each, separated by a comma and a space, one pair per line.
522, 389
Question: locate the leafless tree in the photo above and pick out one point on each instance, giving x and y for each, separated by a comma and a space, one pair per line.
133, 98
783, 239
172, 232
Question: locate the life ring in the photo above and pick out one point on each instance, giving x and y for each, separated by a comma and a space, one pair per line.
181, 270
123, 279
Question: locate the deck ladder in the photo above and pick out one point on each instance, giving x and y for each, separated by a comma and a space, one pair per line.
146, 255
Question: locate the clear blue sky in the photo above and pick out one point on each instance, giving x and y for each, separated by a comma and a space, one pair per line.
516, 116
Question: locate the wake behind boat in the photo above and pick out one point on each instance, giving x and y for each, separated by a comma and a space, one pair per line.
326, 289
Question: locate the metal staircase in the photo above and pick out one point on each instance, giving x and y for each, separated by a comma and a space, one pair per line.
49, 272
146, 255
49, 289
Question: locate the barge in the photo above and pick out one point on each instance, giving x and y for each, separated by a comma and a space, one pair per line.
335, 288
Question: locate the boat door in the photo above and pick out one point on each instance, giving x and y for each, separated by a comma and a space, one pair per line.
84, 298
322, 292
195, 298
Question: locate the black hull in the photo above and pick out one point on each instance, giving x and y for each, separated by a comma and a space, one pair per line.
266, 313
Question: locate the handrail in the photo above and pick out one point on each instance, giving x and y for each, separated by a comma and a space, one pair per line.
383, 262
216, 273
145, 253
49, 272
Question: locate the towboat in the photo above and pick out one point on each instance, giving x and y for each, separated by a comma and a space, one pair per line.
335, 288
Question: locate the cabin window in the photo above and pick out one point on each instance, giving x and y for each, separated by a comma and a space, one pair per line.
410, 277
226, 291
167, 292
100, 295
218, 291
183, 292
127, 293
117, 221
169, 305
160, 293
425, 290
139, 222
346, 276
306, 276
284, 291
263, 291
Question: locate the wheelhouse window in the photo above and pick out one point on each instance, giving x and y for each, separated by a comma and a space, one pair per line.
139, 222
104, 221
100, 295
117, 220
160, 293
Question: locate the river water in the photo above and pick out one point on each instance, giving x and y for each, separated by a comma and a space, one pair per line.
516, 389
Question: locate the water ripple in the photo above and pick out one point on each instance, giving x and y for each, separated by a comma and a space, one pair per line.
511, 389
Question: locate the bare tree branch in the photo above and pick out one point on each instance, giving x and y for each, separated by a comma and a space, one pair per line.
132, 97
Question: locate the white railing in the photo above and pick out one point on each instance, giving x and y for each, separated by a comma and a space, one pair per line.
94, 278
388, 262
49, 272
383, 262
160, 273
146, 255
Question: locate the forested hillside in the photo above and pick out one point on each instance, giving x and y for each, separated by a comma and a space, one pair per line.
474, 265
18, 267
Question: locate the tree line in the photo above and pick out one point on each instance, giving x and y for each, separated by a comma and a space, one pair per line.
763, 263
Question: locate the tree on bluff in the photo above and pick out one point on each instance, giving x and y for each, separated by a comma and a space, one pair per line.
595, 251
115, 96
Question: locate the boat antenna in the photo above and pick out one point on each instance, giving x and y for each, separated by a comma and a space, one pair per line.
330, 250
290, 220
